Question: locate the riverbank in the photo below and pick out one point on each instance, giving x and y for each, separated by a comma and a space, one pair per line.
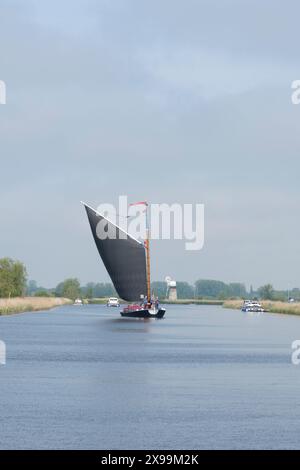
30, 304
193, 301
270, 306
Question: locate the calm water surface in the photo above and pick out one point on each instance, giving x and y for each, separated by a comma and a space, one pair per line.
203, 377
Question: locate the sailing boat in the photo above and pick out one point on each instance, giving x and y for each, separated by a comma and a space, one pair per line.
127, 261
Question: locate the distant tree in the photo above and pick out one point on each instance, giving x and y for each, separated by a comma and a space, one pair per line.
223, 295
32, 287
70, 288
89, 291
295, 293
266, 292
13, 278
42, 293
237, 289
59, 289
99, 290
104, 290
159, 289
185, 290
210, 288
279, 295
251, 292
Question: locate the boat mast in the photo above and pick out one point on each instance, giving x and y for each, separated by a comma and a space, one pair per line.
147, 246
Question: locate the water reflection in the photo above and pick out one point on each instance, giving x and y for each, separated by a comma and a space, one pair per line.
127, 325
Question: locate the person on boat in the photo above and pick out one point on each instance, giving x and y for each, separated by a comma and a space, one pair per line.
156, 303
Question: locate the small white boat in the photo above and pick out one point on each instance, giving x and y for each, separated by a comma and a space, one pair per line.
113, 302
78, 302
252, 306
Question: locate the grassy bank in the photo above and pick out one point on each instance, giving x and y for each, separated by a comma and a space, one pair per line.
193, 301
30, 304
273, 307
236, 304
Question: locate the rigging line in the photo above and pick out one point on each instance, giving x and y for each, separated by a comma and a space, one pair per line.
123, 216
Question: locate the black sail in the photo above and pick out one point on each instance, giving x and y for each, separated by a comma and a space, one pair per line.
123, 256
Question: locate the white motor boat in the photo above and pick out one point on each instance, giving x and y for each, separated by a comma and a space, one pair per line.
252, 306
113, 302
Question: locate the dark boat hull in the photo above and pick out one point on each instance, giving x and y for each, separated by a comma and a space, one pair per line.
145, 313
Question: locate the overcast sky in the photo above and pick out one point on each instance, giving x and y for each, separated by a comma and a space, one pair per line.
168, 101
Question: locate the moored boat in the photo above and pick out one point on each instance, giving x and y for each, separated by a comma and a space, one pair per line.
252, 306
113, 302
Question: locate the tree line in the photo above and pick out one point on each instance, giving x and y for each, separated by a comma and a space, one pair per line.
13, 283
201, 289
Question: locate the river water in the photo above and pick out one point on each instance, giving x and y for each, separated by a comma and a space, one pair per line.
201, 378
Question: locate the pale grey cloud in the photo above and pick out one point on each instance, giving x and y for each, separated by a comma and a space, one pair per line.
197, 92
